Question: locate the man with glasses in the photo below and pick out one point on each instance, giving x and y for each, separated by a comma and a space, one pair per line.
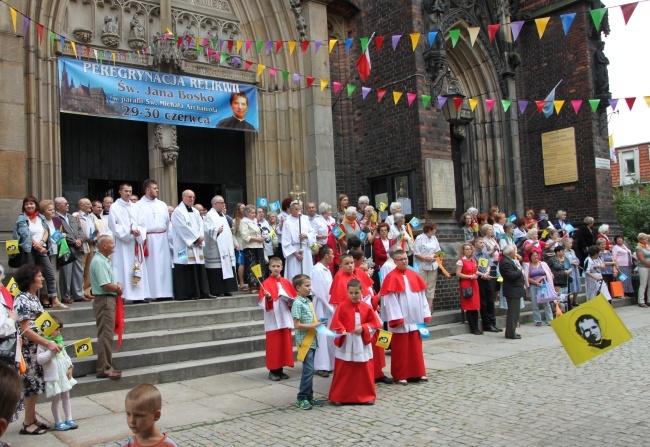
70, 288
219, 250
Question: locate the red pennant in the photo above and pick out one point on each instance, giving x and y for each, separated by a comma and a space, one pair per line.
248, 66
627, 11
179, 41
458, 102
119, 321
40, 33
231, 43
278, 46
630, 102
379, 40
492, 31
304, 45
310, 80
380, 94
189, 40
540, 105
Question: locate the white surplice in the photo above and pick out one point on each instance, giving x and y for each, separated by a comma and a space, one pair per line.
410, 306
291, 243
188, 227
219, 247
280, 316
321, 282
123, 217
153, 215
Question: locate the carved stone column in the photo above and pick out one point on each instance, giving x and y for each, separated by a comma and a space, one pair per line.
163, 153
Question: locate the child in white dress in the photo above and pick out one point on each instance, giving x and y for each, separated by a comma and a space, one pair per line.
57, 373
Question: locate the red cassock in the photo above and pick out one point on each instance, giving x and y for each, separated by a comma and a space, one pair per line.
339, 288
279, 343
378, 354
353, 380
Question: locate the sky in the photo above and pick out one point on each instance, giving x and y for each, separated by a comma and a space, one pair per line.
629, 72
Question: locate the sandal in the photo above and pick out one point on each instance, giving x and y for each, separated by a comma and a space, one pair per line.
42, 425
37, 431
47, 305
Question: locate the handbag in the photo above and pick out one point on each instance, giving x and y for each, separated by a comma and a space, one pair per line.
16, 261
546, 294
617, 289
467, 292
8, 349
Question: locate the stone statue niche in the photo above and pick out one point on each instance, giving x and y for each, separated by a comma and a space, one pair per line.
601, 75
435, 57
111, 32
137, 39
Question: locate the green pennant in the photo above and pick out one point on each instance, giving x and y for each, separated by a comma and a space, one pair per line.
214, 44
594, 103
454, 34
364, 44
285, 75
258, 45
506, 104
597, 16
351, 88
426, 99
223, 57
52, 38
199, 48
101, 56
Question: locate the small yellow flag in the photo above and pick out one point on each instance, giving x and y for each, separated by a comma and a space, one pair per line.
292, 46
46, 324
12, 287
473, 103
12, 247
13, 17
382, 207
383, 339
83, 348
500, 279
323, 84
238, 44
332, 43
544, 234
396, 97
415, 38
260, 69
589, 330
558, 106
541, 25
257, 270
483, 262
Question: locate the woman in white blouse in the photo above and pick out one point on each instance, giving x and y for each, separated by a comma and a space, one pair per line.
424, 254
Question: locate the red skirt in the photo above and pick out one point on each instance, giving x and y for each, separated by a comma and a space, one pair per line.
407, 361
378, 361
279, 349
353, 382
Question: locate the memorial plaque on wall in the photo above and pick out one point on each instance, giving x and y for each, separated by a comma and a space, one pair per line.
440, 184
560, 161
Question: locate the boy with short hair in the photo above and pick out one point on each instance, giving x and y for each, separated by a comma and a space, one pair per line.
275, 296
143, 407
305, 322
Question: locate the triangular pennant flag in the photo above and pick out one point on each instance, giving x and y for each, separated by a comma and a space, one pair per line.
323, 84
558, 106
179, 42
40, 33
432, 36
278, 46
25, 25
613, 103
505, 103
238, 46
627, 11
396, 97
74, 49
515, 28
576, 103
426, 99
285, 75
231, 45
96, 57
348, 44
113, 56
458, 102
381, 92
337, 87
410, 97
415, 38
454, 34
473, 34
379, 41
647, 100
332, 44
304, 45
210, 51
365, 91
630, 102
492, 31
597, 16
364, 44
441, 101
522, 106
317, 45
247, 46
258, 46
13, 17
272, 72
199, 49
62, 40
269, 46
351, 89
594, 103
310, 81
567, 21
248, 65
489, 103
236, 62
541, 25
396, 39
540, 105
292, 46
296, 77
52, 39
224, 57
472, 103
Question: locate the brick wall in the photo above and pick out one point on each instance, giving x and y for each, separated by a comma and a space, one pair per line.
644, 163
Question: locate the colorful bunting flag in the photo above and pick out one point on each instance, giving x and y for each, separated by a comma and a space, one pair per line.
522, 106
351, 89
410, 97
489, 103
332, 43
426, 99
296, 77
74, 49
396, 39
630, 102
40, 33
310, 81
441, 101
567, 21
285, 76
541, 25
506, 104
576, 103
415, 38
25, 25
396, 97
492, 30
379, 41
540, 105
348, 44
258, 45
515, 28
473, 102
247, 46
337, 87
13, 17
272, 72
597, 16
248, 65
292, 46
627, 11
558, 106
454, 34
594, 103
381, 92
473, 34
364, 43
278, 46
613, 103
317, 45
238, 46
260, 69
432, 36
365, 91
304, 45
458, 102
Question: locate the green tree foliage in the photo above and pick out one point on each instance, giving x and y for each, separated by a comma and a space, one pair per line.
632, 208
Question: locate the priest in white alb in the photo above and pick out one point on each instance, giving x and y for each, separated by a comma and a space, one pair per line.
154, 217
297, 238
219, 250
321, 282
128, 258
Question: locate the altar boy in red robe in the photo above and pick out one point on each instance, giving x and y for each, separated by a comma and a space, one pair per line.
353, 381
338, 290
404, 305
275, 297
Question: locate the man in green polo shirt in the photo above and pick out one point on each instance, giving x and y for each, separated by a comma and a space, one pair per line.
105, 288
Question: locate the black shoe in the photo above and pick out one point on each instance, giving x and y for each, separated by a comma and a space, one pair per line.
384, 379
274, 377
491, 329
515, 337
227, 294
497, 328
283, 376
211, 295
322, 373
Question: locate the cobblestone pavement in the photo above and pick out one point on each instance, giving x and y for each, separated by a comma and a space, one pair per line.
482, 391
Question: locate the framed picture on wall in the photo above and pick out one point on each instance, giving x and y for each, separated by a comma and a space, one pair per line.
402, 187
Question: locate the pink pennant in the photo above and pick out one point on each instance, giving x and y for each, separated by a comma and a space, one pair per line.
492, 30
337, 88
380, 94
248, 44
630, 102
396, 39
515, 27
205, 42
576, 103
272, 72
489, 103
210, 51
441, 101
410, 97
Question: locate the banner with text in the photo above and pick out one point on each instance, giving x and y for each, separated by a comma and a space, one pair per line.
131, 93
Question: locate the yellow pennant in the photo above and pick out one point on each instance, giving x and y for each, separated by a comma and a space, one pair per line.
472, 103
12, 287
257, 270
383, 339
74, 48
382, 207
12, 247
238, 45
415, 38
590, 330
323, 84
473, 34
558, 105
46, 324
332, 43
260, 69
544, 234
113, 57
396, 97
292, 46
169, 32
541, 25
13, 17
611, 141
83, 348
647, 100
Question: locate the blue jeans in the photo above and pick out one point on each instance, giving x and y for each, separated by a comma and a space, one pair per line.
537, 316
306, 391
